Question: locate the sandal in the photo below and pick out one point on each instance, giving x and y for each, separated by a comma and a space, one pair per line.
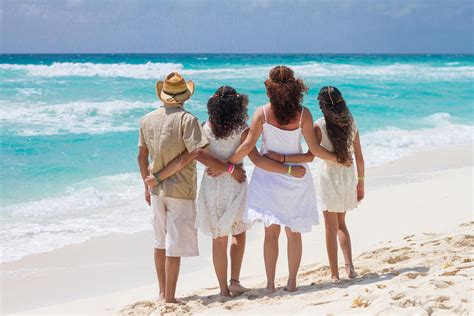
236, 288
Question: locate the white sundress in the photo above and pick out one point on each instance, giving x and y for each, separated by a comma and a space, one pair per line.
282, 199
222, 200
337, 185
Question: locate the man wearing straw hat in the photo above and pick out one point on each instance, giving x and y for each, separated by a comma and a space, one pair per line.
171, 135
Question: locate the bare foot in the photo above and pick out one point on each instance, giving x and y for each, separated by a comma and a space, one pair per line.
335, 279
236, 288
160, 298
269, 290
175, 301
350, 271
290, 286
224, 293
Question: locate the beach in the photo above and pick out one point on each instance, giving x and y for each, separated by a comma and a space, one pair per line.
70, 126
412, 240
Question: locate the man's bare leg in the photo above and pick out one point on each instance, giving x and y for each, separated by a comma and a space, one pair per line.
160, 258
172, 271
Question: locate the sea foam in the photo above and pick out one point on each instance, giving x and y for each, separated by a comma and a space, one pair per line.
149, 70
91, 208
33, 119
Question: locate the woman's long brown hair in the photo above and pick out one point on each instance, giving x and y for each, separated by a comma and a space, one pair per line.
285, 93
339, 121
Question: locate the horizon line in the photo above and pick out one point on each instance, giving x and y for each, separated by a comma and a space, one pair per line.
229, 53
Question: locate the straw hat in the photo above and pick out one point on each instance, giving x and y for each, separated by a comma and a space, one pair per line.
174, 89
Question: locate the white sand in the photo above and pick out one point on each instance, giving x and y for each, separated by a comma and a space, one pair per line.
428, 194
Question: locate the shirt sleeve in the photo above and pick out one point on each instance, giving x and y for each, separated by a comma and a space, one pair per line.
141, 139
193, 134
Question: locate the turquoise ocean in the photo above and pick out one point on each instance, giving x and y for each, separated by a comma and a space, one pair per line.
69, 126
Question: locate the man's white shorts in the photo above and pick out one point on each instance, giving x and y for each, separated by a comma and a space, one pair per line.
173, 225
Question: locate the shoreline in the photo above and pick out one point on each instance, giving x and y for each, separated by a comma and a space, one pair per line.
122, 263
383, 174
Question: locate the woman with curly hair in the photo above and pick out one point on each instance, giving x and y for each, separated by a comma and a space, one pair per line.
222, 200
339, 190
277, 199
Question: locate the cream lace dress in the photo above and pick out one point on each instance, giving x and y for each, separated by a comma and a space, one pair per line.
222, 200
336, 184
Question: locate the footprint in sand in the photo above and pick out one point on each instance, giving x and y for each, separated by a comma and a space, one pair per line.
450, 273
233, 306
371, 275
173, 308
407, 303
407, 249
441, 284
139, 308
413, 275
396, 259
464, 241
398, 295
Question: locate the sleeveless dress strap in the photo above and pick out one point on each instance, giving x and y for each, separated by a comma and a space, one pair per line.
264, 113
301, 116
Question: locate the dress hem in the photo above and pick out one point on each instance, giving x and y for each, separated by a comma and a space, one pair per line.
298, 225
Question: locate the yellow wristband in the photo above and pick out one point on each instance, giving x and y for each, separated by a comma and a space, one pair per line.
289, 170
360, 178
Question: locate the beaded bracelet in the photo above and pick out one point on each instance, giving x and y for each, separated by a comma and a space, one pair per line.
230, 168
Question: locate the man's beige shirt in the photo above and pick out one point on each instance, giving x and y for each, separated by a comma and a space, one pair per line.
167, 132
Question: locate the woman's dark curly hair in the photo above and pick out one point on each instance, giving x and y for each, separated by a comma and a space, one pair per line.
339, 121
286, 93
227, 111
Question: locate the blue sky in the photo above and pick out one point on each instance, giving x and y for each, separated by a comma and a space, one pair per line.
240, 26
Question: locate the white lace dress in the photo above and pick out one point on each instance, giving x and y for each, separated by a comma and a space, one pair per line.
336, 184
222, 200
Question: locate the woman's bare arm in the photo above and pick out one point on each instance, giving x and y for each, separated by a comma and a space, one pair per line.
309, 135
271, 165
359, 158
203, 156
177, 164
251, 140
